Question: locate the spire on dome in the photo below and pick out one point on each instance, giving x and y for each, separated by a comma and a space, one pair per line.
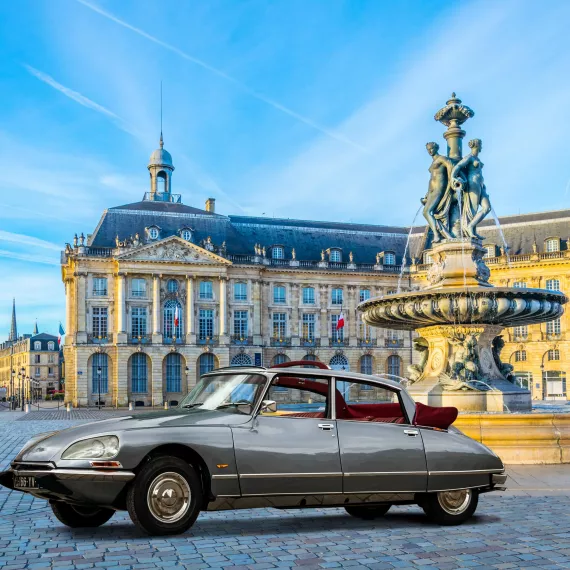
13, 328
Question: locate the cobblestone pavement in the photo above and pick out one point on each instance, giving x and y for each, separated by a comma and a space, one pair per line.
509, 531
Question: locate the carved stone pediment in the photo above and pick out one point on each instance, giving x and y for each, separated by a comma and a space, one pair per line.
173, 250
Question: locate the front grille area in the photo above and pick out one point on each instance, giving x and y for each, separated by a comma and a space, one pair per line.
32, 466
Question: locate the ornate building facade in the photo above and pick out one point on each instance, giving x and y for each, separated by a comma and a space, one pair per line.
162, 292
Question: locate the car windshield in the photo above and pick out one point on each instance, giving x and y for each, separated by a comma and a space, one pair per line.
236, 393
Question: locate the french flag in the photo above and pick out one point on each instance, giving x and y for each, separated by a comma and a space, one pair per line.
176, 316
61, 333
340, 322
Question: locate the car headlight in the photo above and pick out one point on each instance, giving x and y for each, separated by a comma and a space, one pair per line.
104, 447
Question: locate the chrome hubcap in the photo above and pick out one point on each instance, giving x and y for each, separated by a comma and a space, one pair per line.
168, 497
454, 502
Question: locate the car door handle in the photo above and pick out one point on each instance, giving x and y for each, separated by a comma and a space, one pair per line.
326, 427
411, 432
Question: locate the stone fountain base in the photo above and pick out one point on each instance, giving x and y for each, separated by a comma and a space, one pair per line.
462, 368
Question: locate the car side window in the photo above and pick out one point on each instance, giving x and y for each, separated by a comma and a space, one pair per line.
367, 402
297, 397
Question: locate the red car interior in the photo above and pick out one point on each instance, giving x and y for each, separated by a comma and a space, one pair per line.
431, 416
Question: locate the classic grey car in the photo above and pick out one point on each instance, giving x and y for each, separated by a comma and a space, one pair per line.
283, 437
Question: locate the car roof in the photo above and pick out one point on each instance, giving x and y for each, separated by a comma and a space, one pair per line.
309, 372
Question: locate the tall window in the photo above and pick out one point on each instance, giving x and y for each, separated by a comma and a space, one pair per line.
336, 296
206, 290
364, 295
366, 364
37, 345
520, 332
339, 362
99, 362
520, 356
99, 322
279, 325
139, 373
365, 332
37, 358
51, 345
138, 288
308, 326
277, 252
308, 296
489, 251
279, 294
241, 360
554, 354
206, 323
240, 291
553, 244
240, 324
553, 284
100, 286
519, 284
206, 363
336, 335
335, 256
174, 372
170, 315
38, 373
394, 363
389, 258
172, 286
138, 321
310, 357
553, 327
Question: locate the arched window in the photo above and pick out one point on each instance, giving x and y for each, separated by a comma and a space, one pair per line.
366, 364
139, 373
552, 244
520, 355
553, 284
280, 359
339, 362
99, 373
394, 365
173, 372
241, 360
172, 315
172, 285
51, 345
187, 235
335, 256
162, 182
37, 345
206, 363
277, 252
153, 233
310, 357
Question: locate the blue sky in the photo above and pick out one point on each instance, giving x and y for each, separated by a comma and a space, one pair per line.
299, 109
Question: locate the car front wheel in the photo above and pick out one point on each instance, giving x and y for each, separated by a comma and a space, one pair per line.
367, 512
165, 497
450, 507
79, 516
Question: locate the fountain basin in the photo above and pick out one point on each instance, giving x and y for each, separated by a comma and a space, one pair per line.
500, 306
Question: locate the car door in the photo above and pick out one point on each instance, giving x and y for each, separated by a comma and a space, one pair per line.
380, 451
295, 450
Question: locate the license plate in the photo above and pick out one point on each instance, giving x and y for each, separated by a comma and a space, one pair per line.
25, 482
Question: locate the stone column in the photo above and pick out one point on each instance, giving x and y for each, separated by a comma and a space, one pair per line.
258, 309
120, 305
295, 340
156, 335
156, 387
223, 310
190, 334
68, 310
81, 307
324, 299
352, 320
266, 330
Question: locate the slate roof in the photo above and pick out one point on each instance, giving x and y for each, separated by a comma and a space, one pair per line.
309, 237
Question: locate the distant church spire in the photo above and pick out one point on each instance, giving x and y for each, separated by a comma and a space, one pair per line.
36, 331
13, 328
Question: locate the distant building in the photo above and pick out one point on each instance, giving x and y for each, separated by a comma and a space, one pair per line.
162, 292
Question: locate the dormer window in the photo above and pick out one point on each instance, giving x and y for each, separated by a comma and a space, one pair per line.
389, 258
552, 244
428, 257
37, 345
186, 234
51, 345
335, 256
278, 252
153, 233
490, 250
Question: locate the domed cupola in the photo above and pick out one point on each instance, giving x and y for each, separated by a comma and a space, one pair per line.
160, 167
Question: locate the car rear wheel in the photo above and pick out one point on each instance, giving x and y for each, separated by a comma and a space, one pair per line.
450, 507
368, 512
165, 497
80, 516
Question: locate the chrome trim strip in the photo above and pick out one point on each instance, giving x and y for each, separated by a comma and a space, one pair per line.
470, 472
225, 477
278, 475
291, 494
457, 489
374, 473
81, 474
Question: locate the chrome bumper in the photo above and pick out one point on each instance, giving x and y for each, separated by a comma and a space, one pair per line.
78, 474
498, 480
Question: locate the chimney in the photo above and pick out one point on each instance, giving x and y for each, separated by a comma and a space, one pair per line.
211, 205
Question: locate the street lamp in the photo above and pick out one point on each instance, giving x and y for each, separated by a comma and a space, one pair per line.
99, 370
12, 389
22, 386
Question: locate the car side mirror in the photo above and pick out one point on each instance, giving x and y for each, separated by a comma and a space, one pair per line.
268, 406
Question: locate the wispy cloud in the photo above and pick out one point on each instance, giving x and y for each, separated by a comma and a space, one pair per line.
25, 240
29, 257
260, 96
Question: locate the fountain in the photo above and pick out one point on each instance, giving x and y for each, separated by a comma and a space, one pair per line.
459, 315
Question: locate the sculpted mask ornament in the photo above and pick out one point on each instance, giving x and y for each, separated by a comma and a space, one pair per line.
415, 371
